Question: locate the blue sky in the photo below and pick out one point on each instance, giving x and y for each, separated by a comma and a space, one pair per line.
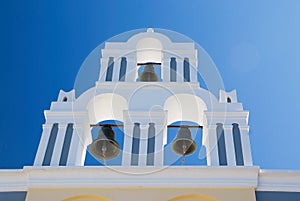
254, 44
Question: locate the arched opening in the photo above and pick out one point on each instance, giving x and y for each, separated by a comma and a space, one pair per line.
237, 144
65, 99
123, 69
173, 69
90, 160
149, 72
86, 198
197, 158
186, 70
193, 198
228, 99
221, 144
110, 69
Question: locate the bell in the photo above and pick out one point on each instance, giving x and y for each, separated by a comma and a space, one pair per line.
148, 75
105, 147
183, 144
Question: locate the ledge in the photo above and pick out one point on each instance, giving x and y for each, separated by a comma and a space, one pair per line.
279, 180
13, 180
147, 177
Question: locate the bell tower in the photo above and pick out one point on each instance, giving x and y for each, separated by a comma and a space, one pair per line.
150, 83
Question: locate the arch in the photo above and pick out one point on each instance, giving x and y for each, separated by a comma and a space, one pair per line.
193, 198
149, 50
185, 107
228, 99
106, 106
87, 198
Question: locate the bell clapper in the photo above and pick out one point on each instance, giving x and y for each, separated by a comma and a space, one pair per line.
184, 149
182, 160
104, 149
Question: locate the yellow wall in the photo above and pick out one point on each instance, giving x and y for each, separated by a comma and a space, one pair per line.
140, 194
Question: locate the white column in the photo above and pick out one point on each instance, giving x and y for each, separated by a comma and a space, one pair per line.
103, 68
127, 146
76, 147
58, 144
229, 145
81, 150
211, 141
131, 70
43, 145
161, 131
246, 147
179, 70
143, 145
166, 69
116, 70
193, 70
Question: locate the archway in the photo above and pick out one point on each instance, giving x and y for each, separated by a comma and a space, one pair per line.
193, 198
90, 160
87, 198
197, 158
106, 106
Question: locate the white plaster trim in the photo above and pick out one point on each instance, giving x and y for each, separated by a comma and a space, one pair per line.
101, 177
13, 180
279, 180
220, 177
126, 85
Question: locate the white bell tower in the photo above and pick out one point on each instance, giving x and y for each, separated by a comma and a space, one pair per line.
147, 82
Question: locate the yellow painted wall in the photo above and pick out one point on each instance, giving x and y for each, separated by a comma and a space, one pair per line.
140, 194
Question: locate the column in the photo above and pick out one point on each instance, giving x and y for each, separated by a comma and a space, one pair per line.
127, 146
43, 145
229, 144
116, 71
166, 69
161, 131
193, 70
103, 68
179, 71
246, 147
76, 147
143, 145
210, 136
131, 71
58, 144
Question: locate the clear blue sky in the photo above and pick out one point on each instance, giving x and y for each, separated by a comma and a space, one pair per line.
255, 45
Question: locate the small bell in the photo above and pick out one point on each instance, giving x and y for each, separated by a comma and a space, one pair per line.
105, 147
148, 75
184, 144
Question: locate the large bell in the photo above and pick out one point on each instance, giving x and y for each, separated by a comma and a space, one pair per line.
183, 144
148, 75
105, 147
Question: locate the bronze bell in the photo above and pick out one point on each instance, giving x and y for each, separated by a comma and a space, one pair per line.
183, 144
148, 75
105, 147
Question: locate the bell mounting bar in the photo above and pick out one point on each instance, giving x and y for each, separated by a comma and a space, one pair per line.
148, 63
120, 125
105, 125
186, 126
